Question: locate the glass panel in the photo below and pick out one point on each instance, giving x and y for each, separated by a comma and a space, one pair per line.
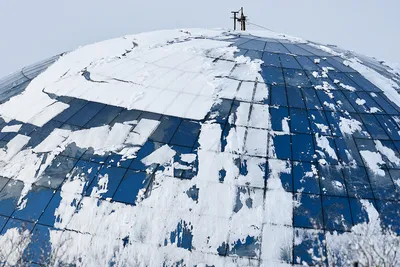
84, 115
337, 214
302, 147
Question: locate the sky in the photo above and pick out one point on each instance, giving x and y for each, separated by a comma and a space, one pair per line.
35, 30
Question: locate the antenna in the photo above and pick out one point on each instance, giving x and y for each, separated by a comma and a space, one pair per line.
242, 19
234, 19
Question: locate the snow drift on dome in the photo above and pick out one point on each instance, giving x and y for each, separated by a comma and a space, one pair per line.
202, 148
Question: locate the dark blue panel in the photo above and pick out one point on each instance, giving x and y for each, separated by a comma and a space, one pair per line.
295, 99
73, 151
40, 249
302, 147
277, 115
149, 116
319, 123
311, 99
9, 197
305, 178
337, 214
84, 171
104, 117
27, 129
117, 160
248, 248
342, 80
3, 221
48, 217
84, 115
299, 121
271, 60
147, 149
8, 136
323, 153
357, 182
347, 151
36, 201
254, 54
131, 184
74, 106
166, 129
333, 120
320, 81
14, 223
382, 185
253, 44
286, 178
3, 182
3, 134
366, 144
373, 126
272, 75
278, 96
323, 64
187, 134
3, 144
370, 102
327, 102
315, 51
240, 41
289, 62
42, 133
294, 49
342, 102
395, 174
388, 162
397, 144
310, 240
358, 211
219, 111
127, 115
113, 175
391, 127
56, 173
390, 213
384, 104
363, 83
65, 99
90, 155
337, 63
332, 182
241, 52
307, 64
282, 146
396, 107
275, 48
309, 211
296, 78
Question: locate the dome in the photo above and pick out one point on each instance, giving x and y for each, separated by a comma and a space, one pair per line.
199, 148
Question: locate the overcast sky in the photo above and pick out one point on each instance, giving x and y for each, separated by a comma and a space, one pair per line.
34, 30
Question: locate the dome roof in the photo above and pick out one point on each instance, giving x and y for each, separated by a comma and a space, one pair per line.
198, 148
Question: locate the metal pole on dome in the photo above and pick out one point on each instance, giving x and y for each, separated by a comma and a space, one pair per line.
242, 20
234, 19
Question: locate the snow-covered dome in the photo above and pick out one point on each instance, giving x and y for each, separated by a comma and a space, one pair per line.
199, 148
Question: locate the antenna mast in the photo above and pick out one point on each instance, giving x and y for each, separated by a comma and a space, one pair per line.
242, 19
234, 19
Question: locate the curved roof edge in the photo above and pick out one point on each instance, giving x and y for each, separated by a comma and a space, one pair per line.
15, 82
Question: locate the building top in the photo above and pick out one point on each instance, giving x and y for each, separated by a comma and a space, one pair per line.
198, 148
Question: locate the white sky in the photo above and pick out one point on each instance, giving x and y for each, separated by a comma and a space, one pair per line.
34, 30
